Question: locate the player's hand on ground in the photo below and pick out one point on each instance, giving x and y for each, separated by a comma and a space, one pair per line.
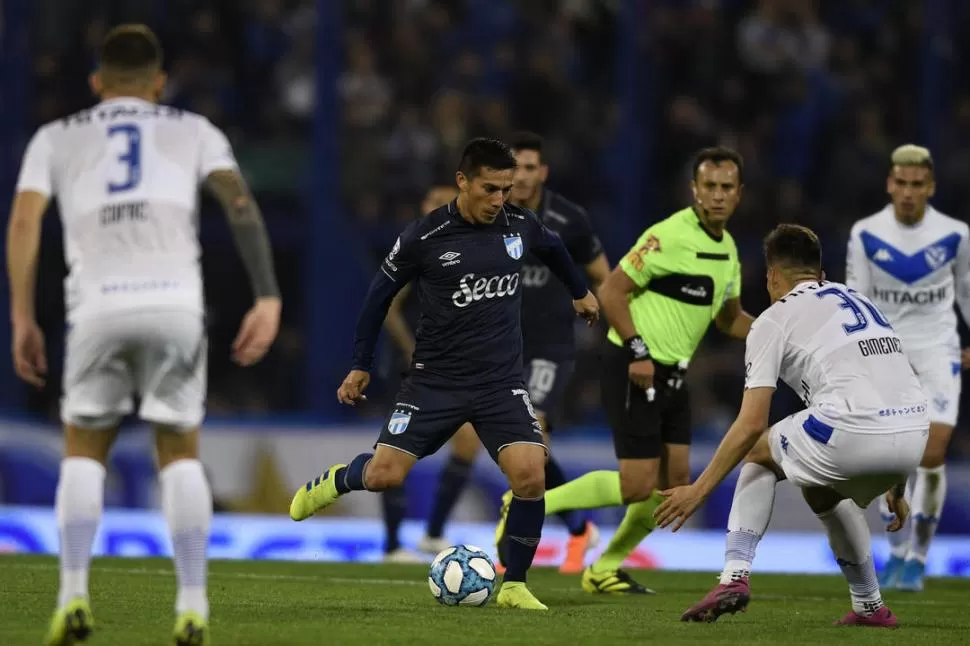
588, 308
641, 373
900, 510
257, 332
965, 358
351, 390
681, 503
29, 356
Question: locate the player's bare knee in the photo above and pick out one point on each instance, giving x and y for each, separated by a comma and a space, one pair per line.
91, 443
638, 478
525, 467
466, 444
637, 486
528, 481
383, 474
173, 444
822, 499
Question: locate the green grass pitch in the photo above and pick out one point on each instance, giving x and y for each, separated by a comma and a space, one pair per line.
292, 604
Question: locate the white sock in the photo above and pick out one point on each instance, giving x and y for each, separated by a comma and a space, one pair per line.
848, 534
187, 503
927, 504
78, 504
898, 541
754, 497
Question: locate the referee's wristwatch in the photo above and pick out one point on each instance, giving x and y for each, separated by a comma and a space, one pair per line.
637, 348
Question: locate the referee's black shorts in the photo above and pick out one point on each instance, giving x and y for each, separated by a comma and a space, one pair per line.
640, 427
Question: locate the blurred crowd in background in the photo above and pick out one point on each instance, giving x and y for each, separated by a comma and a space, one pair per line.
814, 94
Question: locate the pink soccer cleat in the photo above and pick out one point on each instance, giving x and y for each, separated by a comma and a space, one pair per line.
723, 599
882, 618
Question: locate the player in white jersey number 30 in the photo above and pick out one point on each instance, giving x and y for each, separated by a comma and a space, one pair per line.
126, 175
914, 263
863, 429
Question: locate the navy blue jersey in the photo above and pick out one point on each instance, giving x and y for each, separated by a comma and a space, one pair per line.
547, 315
468, 280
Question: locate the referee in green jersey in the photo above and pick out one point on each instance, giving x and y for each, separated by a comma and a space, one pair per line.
682, 274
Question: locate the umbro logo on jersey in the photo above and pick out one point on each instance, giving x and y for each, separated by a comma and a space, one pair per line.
883, 256
449, 258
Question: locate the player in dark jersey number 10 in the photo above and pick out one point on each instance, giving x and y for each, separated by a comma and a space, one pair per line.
465, 259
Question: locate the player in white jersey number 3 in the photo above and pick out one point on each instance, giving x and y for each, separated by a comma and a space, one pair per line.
126, 175
914, 263
863, 429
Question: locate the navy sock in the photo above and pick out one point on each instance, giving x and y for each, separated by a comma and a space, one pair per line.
523, 530
452, 482
395, 504
351, 477
575, 521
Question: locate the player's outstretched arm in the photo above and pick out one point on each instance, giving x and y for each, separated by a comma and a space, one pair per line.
261, 324
751, 422
23, 245
732, 320
550, 249
397, 270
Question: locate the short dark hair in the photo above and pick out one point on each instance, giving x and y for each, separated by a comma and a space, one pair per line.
525, 140
793, 247
128, 51
485, 153
718, 155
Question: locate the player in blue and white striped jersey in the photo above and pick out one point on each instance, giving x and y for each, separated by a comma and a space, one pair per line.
914, 263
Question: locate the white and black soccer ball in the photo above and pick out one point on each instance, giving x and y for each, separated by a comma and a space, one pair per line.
462, 575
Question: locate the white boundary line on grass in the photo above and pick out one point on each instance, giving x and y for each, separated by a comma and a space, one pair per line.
401, 582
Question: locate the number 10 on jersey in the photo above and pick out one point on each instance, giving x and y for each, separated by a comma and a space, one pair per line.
130, 158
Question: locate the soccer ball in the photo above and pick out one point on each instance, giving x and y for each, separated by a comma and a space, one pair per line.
462, 575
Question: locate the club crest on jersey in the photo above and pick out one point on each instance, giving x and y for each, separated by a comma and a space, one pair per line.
513, 246
398, 423
936, 256
652, 244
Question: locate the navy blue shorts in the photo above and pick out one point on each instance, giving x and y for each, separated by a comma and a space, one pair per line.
425, 416
547, 380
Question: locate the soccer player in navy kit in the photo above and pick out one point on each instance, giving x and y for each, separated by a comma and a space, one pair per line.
466, 259
549, 345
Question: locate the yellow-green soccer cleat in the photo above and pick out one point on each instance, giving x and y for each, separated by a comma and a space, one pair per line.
500, 528
514, 594
612, 582
70, 624
315, 495
190, 630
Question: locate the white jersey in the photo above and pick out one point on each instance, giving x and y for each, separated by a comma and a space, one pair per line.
126, 176
839, 353
914, 274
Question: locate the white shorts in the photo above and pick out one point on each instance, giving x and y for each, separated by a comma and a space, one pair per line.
860, 466
159, 355
938, 371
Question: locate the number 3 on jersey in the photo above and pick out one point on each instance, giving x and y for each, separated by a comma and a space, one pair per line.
130, 158
851, 302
